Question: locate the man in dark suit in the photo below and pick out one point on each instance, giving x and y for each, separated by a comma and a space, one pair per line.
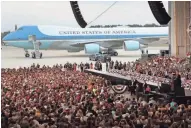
107, 66
179, 91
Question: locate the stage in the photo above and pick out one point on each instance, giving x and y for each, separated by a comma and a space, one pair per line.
117, 79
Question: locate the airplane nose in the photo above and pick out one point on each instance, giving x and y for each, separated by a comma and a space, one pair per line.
7, 37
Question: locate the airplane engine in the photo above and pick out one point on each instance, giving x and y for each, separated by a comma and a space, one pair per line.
92, 48
131, 45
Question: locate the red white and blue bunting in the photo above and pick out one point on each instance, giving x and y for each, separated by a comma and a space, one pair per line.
119, 89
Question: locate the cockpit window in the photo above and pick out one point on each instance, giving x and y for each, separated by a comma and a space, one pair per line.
20, 29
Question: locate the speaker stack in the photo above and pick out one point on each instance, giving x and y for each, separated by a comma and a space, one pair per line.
159, 12
77, 14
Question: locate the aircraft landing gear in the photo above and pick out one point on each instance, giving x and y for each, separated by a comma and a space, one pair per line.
27, 54
41, 55
116, 54
36, 44
34, 55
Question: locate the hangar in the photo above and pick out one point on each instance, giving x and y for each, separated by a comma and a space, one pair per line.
180, 28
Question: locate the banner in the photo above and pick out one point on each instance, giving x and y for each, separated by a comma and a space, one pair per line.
119, 89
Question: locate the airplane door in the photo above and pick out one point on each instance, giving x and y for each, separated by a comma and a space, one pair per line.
31, 38
36, 44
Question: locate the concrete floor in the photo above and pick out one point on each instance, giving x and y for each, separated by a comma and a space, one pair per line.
14, 57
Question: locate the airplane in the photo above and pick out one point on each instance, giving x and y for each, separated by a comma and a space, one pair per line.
92, 40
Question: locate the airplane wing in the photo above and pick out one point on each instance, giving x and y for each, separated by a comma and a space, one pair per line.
118, 42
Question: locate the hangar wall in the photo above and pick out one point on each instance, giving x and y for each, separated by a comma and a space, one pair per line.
180, 12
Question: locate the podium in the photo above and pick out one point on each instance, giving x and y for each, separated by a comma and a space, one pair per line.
104, 67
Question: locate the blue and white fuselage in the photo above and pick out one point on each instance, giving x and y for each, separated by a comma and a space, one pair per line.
77, 39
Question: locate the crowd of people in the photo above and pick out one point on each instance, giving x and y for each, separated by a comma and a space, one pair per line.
81, 66
63, 97
156, 69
